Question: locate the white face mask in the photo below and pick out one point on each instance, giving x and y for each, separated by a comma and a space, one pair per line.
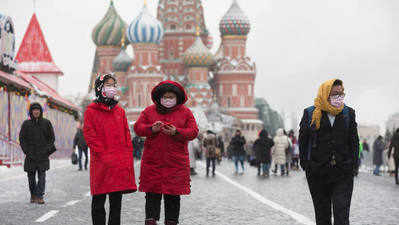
168, 102
111, 92
337, 101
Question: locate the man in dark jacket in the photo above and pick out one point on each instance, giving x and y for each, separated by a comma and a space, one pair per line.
329, 149
238, 152
395, 145
79, 141
37, 142
262, 148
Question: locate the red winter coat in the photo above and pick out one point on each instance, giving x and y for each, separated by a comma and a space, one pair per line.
165, 166
107, 134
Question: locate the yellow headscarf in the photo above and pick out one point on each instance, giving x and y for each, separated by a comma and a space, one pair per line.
321, 103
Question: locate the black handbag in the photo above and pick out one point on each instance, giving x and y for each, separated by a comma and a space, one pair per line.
74, 158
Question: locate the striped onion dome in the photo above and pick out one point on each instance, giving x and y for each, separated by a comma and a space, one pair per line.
109, 31
122, 62
145, 28
234, 22
198, 55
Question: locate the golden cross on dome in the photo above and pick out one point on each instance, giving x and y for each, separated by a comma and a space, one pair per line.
145, 2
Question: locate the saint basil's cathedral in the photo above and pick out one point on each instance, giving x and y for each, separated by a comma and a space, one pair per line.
175, 45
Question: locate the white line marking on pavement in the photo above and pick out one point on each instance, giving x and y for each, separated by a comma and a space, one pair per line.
296, 216
47, 216
70, 203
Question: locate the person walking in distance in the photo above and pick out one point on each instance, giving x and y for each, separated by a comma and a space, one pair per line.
238, 152
262, 148
281, 144
138, 145
107, 134
37, 139
329, 150
394, 146
193, 148
210, 144
295, 150
378, 150
79, 141
168, 126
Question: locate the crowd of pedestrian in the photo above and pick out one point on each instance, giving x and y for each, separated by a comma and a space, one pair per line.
168, 143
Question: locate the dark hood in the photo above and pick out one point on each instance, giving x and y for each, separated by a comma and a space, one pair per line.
35, 105
263, 134
168, 86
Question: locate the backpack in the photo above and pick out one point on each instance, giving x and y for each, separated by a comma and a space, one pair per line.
313, 137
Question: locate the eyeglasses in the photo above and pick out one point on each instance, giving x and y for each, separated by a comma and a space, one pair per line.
338, 95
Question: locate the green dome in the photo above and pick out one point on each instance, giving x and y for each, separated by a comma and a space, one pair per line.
110, 29
198, 55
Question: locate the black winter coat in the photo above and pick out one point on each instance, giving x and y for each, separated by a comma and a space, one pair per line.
334, 153
262, 148
378, 150
37, 142
237, 146
79, 140
394, 145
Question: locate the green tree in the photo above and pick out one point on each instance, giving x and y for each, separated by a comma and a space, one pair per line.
271, 119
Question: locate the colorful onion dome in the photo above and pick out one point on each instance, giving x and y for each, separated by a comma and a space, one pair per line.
198, 55
145, 29
234, 22
122, 62
110, 30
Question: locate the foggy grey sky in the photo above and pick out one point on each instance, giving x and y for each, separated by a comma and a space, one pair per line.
296, 44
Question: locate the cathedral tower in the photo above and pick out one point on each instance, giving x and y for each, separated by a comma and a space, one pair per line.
235, 72
107, 35
145, 34
180, 19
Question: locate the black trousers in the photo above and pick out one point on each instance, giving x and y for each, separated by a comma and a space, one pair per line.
208, 164
153, 206
98, 210
37, 188
337, 194
80, 157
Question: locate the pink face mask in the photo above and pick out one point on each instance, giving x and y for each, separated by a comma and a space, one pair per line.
337, 101
168, 103
110, 92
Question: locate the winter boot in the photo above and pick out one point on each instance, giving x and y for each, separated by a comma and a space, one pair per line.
150, 222
33, 198
40, 201
170, 222
192, 172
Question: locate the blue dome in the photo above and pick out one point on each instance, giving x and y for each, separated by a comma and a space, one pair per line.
145, 29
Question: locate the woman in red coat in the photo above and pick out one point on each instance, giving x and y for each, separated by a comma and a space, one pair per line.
168, 126
107, 134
